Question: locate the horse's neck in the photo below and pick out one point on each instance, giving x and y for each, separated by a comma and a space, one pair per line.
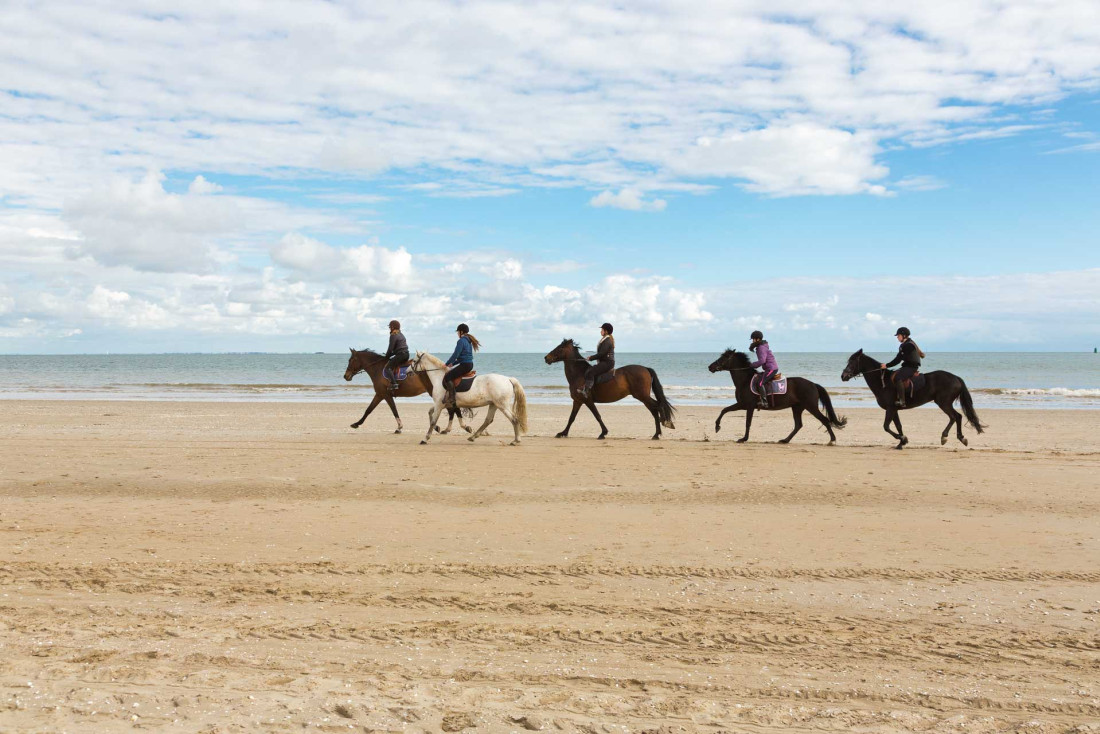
873, 375
574, 364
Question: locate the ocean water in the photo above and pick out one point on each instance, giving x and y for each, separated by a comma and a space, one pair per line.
996, 379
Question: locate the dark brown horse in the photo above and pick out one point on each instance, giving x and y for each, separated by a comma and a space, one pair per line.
802, 394
940, 387
371, 362
633, 379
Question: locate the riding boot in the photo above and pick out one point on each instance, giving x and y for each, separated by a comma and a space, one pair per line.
900, 402
586, 391
451, 399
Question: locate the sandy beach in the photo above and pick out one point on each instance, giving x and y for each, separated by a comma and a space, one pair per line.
242, 567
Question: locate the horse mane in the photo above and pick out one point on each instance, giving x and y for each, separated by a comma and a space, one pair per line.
741, 357
375, 356
431, 358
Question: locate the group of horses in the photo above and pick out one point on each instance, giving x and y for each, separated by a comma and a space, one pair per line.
505, 394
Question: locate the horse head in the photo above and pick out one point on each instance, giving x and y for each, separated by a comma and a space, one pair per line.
562, 352
353, 365
729, 360
854, 367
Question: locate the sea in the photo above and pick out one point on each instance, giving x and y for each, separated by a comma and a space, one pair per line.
996, 379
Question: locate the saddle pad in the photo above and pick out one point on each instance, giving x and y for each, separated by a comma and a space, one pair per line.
775, 387
465, 382
606, 377
402, 371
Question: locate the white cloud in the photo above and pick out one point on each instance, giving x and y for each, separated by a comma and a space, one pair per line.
629, 199
363, 268
920, 183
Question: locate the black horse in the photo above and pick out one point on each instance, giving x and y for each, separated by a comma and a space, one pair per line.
802, 394
940, 387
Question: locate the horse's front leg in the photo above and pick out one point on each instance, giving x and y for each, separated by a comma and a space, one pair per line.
572, 417
749, 410
373, 404
727, 409
488, 419
433, 417
592, 406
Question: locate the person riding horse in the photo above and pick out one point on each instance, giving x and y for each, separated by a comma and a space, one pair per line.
461, 361
765, 359
909, 356
604, 357
397, 354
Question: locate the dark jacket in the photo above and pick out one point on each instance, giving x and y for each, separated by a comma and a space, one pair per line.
464, 352
908, 355
397, 345
605, 350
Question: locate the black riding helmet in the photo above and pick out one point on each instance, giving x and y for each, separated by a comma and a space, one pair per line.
903, 331
756, 335
462, 329
608, 328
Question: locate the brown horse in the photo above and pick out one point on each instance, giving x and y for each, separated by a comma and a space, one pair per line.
371, 362
633, 379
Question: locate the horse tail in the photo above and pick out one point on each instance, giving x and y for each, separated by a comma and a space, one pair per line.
665, 411
520, 406
823, 396
968, 407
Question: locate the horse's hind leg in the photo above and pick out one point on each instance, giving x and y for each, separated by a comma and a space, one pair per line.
514, 421
488, 419
955, 419
748, 423
797, 410
652, 405
816, 413
373, 404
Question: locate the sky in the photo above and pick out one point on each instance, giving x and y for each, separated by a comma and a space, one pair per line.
289, 176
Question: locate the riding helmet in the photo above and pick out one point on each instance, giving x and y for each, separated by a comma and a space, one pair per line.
395, 325
903, 331
463, 329
607, 327
756, 335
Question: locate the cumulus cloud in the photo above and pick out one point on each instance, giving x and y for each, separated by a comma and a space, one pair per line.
629, 199
366, 266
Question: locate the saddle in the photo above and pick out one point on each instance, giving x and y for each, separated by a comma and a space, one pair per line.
462, 384
402, 371
778, 386
911, 385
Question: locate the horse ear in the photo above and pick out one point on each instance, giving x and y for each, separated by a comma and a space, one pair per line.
351, 349
860, 351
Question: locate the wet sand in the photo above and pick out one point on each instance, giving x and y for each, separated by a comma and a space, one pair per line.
243, 567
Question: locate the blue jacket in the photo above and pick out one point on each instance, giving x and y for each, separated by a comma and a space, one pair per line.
464, 352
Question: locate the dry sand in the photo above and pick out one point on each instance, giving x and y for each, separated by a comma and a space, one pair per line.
245, 567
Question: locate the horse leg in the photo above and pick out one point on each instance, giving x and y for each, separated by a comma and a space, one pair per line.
592, 406
955, 419
572, 417
816, 413
727, 409
393, 408
434, 413
515, 423
652, 405
797, 411
748, 423
891, 416
373, 404
488, 419
901, 431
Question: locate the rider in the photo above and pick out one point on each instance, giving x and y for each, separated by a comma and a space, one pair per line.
909, 355
765, 359
461, 362
604, 356
397, 353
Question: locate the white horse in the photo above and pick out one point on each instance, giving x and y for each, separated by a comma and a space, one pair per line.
497, 391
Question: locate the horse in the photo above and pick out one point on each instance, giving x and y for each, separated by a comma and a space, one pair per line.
497, 391
633, 379
940, 387
371, 362
802, 394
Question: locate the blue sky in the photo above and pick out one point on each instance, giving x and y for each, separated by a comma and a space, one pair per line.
291, 178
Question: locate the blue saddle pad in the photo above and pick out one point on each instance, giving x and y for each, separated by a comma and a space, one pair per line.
402, 372
775, 387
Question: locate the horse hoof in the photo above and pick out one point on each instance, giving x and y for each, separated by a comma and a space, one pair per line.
355, 425
784, 440
904, 440
831, 443
423, 443
397, 432
717, 427
943, 440
563, 434
514, 443
656, 437
468, 429
471, 439
437, 430
742, 440
600, 437
963, 441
